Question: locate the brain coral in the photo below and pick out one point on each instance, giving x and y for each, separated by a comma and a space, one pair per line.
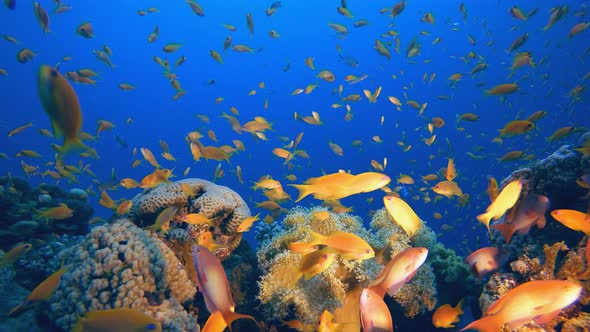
306, 299
120, 265
204, 197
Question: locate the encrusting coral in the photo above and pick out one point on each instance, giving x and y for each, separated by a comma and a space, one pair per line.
120, 265
216, 202
283, 296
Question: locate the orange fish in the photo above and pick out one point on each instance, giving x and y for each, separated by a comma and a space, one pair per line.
61, 104
446, 316
448, 189
502, 89
41, 293
347, 245
516, 127
60, 212
15, 254
124, 207
314, 263
340, 185
121, 319
537, 300
576, 220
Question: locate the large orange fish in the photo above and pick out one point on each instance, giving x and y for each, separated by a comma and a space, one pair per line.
538, 300
339, 185
375, 315
61, 104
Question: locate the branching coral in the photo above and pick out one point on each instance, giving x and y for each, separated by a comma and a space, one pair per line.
120, 265
282, 296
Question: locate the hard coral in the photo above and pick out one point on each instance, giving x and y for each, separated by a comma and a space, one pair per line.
18, 202
121, 266
283, 297
214, 201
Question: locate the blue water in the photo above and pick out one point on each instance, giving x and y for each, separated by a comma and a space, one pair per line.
304, 32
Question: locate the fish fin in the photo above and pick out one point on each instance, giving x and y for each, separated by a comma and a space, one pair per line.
304, 190
316, 238
506, 229
394, 288
73, 144
379, 290
459, 308
231, 316
541, 222
485, 218
486, 324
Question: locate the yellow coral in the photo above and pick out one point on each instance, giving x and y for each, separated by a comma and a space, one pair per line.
327, 290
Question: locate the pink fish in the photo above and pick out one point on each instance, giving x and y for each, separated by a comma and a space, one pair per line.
531, 211
486, 260
212, 283
375, 316
399, 270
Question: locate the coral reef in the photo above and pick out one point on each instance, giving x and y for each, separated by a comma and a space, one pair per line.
554, 177
283, 297
19, 202
12, 295
119, 265
554, 252
216, 202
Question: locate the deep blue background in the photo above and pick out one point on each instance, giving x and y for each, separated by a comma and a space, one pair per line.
304, 32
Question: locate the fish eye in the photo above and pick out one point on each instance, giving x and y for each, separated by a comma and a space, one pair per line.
150, 327
367, 251
53, 73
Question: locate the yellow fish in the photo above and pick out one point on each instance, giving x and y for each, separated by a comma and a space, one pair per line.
505, 200
122, 319
402, 214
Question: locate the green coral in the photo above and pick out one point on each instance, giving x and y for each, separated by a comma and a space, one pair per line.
282, 297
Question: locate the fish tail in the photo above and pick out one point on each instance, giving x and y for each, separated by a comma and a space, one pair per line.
231, 316
304, 190
506, 230
486, 324
73, 144
485, 218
